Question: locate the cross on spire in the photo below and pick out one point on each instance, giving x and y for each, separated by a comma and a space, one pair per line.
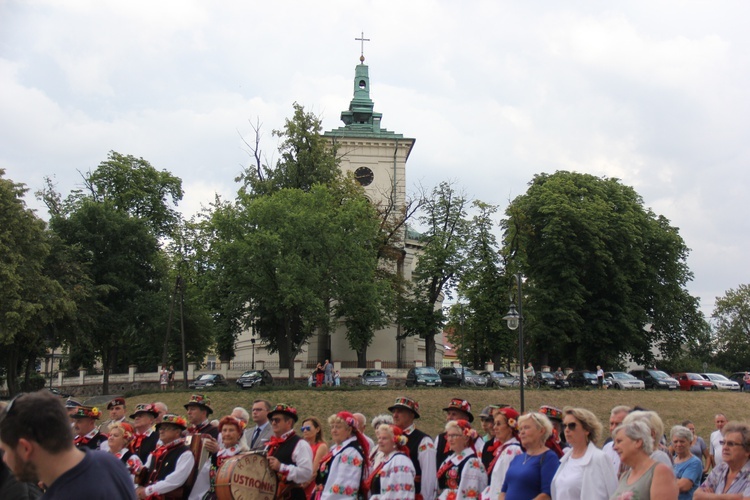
362, 41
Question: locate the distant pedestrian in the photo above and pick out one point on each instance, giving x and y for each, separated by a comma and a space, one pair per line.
328, 372
600, 376
746, 380
163, 378
529, 371
319, 375
337, 378
171, 377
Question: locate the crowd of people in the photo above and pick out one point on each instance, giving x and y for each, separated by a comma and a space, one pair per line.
550, 453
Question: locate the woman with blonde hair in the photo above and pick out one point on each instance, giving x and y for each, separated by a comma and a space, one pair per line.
585, 472
120, 436
393, 477
646, 478
530, 473
342, 472
462, 474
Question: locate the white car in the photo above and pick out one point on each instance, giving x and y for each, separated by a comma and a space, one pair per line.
622, 380
720, 382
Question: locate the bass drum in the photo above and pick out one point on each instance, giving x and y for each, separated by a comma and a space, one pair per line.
246, 477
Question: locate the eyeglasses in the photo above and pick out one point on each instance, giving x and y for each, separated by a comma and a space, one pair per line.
276, 420
572, 426
729, 444
305, 428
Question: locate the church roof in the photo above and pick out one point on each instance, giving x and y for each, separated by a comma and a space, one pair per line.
360, 120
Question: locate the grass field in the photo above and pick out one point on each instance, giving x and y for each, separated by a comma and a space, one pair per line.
673, 407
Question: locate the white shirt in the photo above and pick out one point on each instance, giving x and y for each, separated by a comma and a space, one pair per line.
596, 480
301, 471
614, 457
506, 454
568, 481
182, 470
427, 458
715, 447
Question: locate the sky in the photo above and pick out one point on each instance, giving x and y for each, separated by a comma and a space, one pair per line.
654, 93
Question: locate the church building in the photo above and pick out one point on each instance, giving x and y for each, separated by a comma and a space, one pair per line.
377, 157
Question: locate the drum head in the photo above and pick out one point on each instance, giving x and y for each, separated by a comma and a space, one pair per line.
246, 477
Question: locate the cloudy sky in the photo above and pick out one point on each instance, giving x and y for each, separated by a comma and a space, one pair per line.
653, 93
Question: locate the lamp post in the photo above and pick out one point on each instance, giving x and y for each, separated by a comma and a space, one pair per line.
515, 321
252, 341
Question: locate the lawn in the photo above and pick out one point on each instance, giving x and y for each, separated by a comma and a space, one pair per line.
700, 407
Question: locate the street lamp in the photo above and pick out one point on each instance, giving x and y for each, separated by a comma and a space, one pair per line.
515, 321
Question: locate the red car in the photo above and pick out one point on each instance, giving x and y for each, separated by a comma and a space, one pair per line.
692, 382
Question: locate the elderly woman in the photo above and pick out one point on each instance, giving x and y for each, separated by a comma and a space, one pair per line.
688, 468
730, 479
655, 424
645, 478
506, 447
393, 477
232, 444
530, 473
120, 436
585, 472
312, 432
341, 473
462, 474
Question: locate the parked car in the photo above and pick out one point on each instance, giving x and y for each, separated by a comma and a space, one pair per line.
655, 379
547, 379
461, 376
622, 380
692, 382
208, 380
423, 375
500, 379
720, 382
58, 392
374, 377
582, 378
738, 377
253, 378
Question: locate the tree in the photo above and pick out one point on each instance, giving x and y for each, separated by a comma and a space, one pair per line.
731, 318
600, 268
440, 265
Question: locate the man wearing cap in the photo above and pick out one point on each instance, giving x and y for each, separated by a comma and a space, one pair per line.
421, 448
171, 464
87, 434
257, 436
288, 454
198, 410
556, 442
116, 409
35, 438
488, 426
457, 409
145, 437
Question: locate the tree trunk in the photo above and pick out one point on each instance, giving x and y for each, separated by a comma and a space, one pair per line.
284, 350
362, 357
429, 344
12, 367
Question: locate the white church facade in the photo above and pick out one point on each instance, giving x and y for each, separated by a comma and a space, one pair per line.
377, 157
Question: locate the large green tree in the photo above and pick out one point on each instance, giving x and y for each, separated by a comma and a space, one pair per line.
731, 321
606, 276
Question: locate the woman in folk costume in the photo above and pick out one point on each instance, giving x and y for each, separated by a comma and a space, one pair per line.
232, 444
120, 435
462, 474
393, 477
343, 471
504, 448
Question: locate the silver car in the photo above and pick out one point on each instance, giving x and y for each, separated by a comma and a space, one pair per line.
374, 377
720, 382
622, 380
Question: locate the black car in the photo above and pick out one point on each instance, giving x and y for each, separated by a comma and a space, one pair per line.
423, 375
461, 376
253, 378
655, 379
374, 377
547, 379
582, 378
208, 380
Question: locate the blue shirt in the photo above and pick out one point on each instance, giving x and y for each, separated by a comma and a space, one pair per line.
99, 476
528, 476
691, 469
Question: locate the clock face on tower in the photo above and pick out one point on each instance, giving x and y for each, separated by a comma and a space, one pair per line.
364, 176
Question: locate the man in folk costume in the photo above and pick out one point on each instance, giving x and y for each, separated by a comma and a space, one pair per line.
171, 464
145, 437
289, 455
556, 441
87, 434
421, 447
198, 410
457, 409
116, 409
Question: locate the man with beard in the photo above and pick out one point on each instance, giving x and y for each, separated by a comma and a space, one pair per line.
116, 409
84, 425
421, 448
145, 437
37, 446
